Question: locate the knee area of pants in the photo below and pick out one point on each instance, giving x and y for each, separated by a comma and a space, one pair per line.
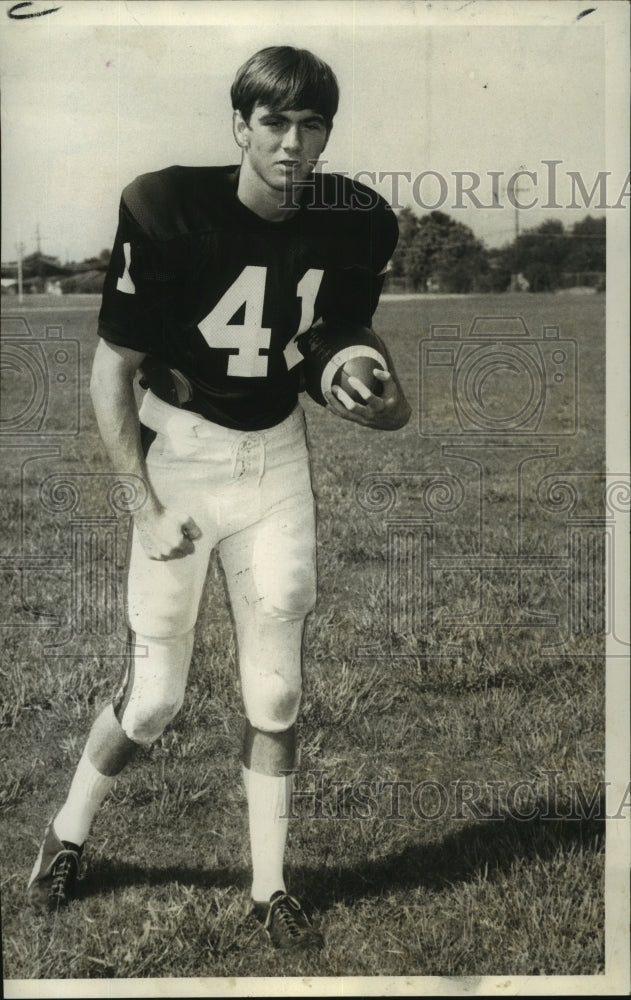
274, 707
154, 690
292, 602
166, 632
146, 723
172, 643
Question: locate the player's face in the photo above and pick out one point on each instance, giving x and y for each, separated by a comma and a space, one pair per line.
281, 147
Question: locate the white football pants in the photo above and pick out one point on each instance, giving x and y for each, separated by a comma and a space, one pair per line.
250, 494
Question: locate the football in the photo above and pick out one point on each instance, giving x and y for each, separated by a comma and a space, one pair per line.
333, 352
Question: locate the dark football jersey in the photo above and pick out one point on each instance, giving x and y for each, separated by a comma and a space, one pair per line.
204, 285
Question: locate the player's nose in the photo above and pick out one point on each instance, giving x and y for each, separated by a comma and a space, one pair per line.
292, 139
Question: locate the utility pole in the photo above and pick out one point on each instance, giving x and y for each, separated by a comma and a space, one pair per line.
20, 250
516, 192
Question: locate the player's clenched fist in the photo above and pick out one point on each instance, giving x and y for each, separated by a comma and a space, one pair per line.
165, 534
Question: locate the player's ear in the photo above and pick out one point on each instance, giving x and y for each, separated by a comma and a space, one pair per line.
240, 130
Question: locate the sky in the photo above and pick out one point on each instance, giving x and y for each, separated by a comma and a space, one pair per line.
95, 94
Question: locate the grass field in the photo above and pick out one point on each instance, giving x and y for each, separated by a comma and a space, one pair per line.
473, 865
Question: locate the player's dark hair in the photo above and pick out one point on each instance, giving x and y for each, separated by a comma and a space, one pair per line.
284, 78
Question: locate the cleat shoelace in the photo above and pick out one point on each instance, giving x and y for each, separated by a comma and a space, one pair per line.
65, 871
285, 915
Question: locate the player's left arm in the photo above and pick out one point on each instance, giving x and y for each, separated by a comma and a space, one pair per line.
387, 412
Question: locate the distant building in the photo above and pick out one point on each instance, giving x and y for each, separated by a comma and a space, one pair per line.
519, 283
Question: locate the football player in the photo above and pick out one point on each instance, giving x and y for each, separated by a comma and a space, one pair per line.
214, 273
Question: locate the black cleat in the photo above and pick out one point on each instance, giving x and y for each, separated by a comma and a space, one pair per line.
55, 874
287, 925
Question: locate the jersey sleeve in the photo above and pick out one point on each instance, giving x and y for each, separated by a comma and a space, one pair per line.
137, 286
357, 285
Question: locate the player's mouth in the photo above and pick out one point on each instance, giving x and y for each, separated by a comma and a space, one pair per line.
288, 164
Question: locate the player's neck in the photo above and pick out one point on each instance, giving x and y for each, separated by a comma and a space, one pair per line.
269, 203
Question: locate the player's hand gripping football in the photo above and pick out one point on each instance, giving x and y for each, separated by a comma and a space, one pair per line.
389, 410
165, 534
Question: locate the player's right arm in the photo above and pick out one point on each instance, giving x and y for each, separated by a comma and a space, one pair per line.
164, 534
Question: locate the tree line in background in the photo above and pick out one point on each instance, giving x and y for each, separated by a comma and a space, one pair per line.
434, 254
437, 254
40, 273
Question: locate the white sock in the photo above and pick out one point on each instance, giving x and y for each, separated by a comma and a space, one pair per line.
87, 791
267, 796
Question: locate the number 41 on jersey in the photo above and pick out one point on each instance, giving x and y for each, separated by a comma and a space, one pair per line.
248, 339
